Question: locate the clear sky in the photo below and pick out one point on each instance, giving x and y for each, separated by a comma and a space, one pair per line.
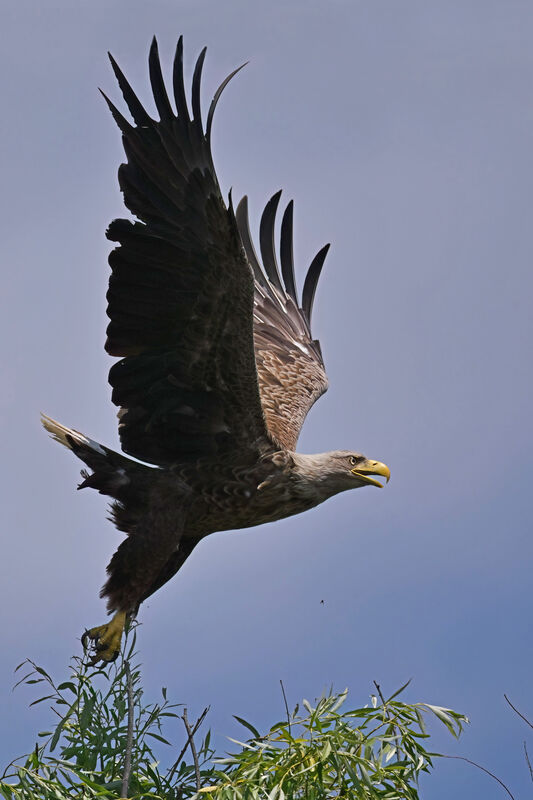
404, 133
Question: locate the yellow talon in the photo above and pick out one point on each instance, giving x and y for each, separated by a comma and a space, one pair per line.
105, 639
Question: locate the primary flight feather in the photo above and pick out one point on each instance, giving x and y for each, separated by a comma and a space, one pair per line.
218, 368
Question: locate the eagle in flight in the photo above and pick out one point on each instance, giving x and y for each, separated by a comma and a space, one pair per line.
218, 367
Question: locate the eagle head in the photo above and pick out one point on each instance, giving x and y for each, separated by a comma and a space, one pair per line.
340, 470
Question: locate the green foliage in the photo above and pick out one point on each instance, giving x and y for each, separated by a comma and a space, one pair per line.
83, 756
370, 752
316, 753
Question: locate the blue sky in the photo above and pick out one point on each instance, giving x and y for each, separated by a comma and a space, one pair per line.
404, 133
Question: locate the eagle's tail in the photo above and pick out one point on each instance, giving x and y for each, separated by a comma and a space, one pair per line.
69, 437
112, 473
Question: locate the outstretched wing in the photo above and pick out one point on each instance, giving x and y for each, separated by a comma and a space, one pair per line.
289, 361
181, 290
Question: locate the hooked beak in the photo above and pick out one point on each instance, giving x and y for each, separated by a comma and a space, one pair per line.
367, 468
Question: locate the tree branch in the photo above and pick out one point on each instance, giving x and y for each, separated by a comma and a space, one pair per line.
528, 762
185, 746
462, 758
286, 708
518, 712
193, 750
129, 736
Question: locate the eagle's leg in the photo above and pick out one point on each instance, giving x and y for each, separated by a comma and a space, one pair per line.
106, 639
142, 561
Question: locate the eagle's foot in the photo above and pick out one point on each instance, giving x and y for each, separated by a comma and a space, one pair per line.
105, 640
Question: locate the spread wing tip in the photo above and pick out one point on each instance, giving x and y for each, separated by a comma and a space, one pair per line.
179, 83
311, 281
266, 240
216, 98
158, 84
243, 224
121, 121
269, 274
286, 251
196, 83
135, 106
162, 101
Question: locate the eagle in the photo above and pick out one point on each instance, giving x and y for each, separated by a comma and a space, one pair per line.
218, 366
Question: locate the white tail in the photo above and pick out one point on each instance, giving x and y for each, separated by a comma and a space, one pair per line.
60, 433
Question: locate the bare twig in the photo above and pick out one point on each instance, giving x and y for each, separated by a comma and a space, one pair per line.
129, 736
518, 712
462, 758
286, 706
378, 689
528, 762
5, 773
185, 746
193, 750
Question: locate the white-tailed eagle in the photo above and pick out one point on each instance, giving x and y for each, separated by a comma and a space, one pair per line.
218, 367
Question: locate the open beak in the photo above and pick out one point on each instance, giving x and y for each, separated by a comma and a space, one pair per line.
367, 468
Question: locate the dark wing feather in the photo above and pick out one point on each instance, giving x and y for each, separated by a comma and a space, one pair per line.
289, 361
181, 290
286, 252
266, 241
311, 281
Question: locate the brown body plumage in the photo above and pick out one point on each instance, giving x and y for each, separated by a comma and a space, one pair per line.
218, 366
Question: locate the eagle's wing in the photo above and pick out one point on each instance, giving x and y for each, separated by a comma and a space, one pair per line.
181, 289
289, 361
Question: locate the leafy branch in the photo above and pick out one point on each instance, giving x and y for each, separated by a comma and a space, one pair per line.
103, 745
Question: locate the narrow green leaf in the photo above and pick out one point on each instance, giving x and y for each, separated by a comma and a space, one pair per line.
340, 700
444, 717
59, 728
156, 736
248, 725
41, 699
67, 685
421, 720
42, 671
400, 690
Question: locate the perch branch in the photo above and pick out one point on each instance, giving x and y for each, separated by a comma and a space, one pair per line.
129, 736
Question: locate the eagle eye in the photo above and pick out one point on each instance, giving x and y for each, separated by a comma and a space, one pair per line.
354, 460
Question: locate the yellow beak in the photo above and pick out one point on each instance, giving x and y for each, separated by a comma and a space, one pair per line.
367, 468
